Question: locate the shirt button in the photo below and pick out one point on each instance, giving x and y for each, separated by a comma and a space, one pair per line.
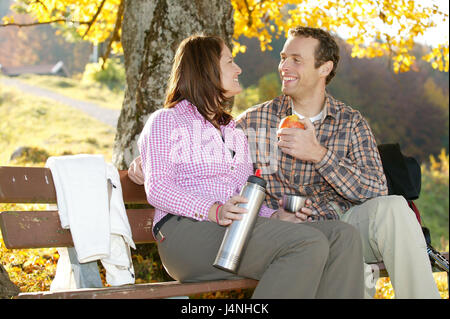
232, 167
196, 215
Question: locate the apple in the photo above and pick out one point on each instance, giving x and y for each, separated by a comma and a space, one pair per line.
291, 121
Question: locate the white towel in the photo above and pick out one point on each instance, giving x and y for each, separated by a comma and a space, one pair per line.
98, 222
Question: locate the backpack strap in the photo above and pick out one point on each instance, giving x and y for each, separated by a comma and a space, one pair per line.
415, 210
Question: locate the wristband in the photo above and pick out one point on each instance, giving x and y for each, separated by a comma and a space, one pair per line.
217, 213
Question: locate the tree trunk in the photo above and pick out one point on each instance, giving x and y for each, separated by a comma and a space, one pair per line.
152, 30
7, 288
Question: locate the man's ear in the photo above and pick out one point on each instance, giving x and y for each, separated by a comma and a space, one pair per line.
326, 68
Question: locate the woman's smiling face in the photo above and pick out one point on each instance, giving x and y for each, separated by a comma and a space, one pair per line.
229, 73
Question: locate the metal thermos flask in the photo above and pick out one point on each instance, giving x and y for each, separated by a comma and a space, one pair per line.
237, 234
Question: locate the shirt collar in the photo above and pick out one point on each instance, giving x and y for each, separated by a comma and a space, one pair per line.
330, 107
285, 108
186, 106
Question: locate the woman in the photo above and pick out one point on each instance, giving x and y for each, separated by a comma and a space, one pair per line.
195, 163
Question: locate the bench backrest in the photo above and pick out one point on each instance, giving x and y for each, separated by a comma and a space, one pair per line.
41, 229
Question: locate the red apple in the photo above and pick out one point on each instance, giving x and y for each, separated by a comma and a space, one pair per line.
291, 121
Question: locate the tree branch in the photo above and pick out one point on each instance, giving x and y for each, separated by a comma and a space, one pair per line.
20, 25
250, 18
94, 18
115, 35
42, 4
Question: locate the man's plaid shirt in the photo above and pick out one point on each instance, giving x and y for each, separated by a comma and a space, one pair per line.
350, 173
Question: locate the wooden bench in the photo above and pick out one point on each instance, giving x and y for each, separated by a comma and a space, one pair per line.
42, 229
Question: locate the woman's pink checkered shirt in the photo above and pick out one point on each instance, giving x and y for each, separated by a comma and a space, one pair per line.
188, 167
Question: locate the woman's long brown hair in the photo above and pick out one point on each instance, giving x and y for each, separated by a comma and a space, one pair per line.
195, 76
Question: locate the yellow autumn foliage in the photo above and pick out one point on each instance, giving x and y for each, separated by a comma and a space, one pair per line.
372, 27
78, 14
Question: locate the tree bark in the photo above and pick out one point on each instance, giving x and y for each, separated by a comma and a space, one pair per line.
152, 30
7, 288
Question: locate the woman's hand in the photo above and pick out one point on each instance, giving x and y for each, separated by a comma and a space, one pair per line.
228, 212
135, 172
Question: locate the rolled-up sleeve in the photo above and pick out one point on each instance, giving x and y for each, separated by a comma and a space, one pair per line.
359, 175
266, 211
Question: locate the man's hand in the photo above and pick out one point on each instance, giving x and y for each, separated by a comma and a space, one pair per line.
301, 144
303, 215
135, 172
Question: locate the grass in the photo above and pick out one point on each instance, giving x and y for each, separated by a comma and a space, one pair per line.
434, 200
70, 87
48, 127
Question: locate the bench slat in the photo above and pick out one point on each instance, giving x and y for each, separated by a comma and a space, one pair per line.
145, 291
161, 290
42, 229
35, 185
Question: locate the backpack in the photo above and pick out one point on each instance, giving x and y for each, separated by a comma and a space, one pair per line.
404, 178
403, 174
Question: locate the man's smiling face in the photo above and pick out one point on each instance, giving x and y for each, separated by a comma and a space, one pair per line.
297, 66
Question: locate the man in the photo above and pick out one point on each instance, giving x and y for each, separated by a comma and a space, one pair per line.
334, 161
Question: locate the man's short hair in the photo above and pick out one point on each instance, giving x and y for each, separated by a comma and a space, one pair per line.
327, 50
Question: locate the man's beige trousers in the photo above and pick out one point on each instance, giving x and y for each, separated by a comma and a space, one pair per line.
391, 233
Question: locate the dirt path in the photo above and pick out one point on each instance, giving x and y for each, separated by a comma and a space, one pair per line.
102, 114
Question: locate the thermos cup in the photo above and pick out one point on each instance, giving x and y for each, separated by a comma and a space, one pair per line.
237, 234
292, 203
